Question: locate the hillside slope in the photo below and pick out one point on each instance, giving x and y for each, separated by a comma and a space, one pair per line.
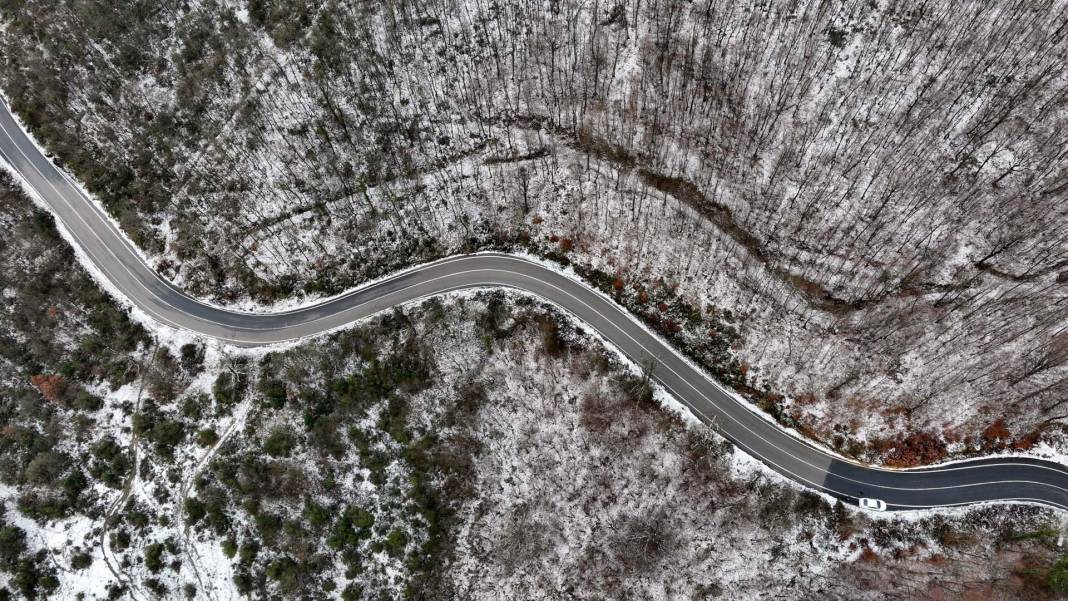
872, 195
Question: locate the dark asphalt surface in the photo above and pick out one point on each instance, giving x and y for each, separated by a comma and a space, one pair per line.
113, 255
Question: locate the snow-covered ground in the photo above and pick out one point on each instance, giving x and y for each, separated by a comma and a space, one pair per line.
846, 209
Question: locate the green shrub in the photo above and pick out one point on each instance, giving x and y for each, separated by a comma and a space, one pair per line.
279, 443
274, 393
85, 401
159, 590
120, 540
110, 463
229, 547
192, 358
166, 435
285, 572
54, 503
45, 467
207, 437
396, 542
1058, 576
138, 519
193, 407
352, 592
316, 514
12, 546
229, 388
80, 561
249, 550
154, 557
268, 525
194, 510
351, 527
243, 582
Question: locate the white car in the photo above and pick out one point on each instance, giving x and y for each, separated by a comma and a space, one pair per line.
872, 504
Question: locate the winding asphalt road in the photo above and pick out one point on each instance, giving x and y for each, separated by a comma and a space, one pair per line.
111, 252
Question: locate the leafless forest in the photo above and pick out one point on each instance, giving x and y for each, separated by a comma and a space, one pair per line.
874, 192
476, 447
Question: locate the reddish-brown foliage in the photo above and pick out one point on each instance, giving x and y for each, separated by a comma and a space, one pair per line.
895, 410
50, 386
554, 238
662, 306
1027, 440
805, 428
882, 446
537, 220
618, 284
996, 435
597, 414
951, 435
918, 448
566, 244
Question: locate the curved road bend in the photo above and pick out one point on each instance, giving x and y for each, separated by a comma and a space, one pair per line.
111, 252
